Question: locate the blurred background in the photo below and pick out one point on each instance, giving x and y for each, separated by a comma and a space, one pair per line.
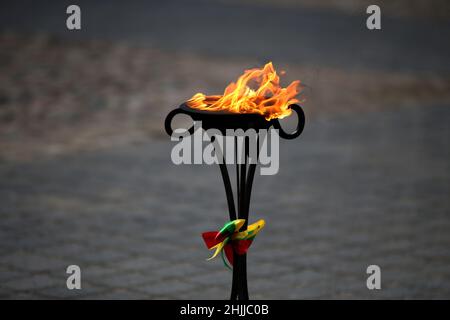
85, 170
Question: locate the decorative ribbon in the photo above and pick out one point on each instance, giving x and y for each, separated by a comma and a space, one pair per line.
229, 239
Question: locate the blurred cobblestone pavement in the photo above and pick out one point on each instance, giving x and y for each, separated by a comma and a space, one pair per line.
85, 170
351, 192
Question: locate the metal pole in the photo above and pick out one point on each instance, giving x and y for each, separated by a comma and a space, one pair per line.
244, 181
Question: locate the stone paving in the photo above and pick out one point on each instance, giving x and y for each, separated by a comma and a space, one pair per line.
354, 190
86, 176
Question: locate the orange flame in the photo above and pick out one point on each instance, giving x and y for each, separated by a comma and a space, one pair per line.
266, 97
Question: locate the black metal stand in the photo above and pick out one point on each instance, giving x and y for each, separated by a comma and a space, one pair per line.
245, 173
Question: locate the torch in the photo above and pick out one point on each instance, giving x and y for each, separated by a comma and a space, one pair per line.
255, 101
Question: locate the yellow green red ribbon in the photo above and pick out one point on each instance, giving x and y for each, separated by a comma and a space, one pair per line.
231, 240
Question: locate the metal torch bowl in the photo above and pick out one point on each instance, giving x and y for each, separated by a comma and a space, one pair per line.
222, 120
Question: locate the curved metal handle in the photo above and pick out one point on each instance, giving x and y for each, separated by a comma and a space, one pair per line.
300, 124
169, 118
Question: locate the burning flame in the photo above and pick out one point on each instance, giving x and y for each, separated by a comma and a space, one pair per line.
256, 91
